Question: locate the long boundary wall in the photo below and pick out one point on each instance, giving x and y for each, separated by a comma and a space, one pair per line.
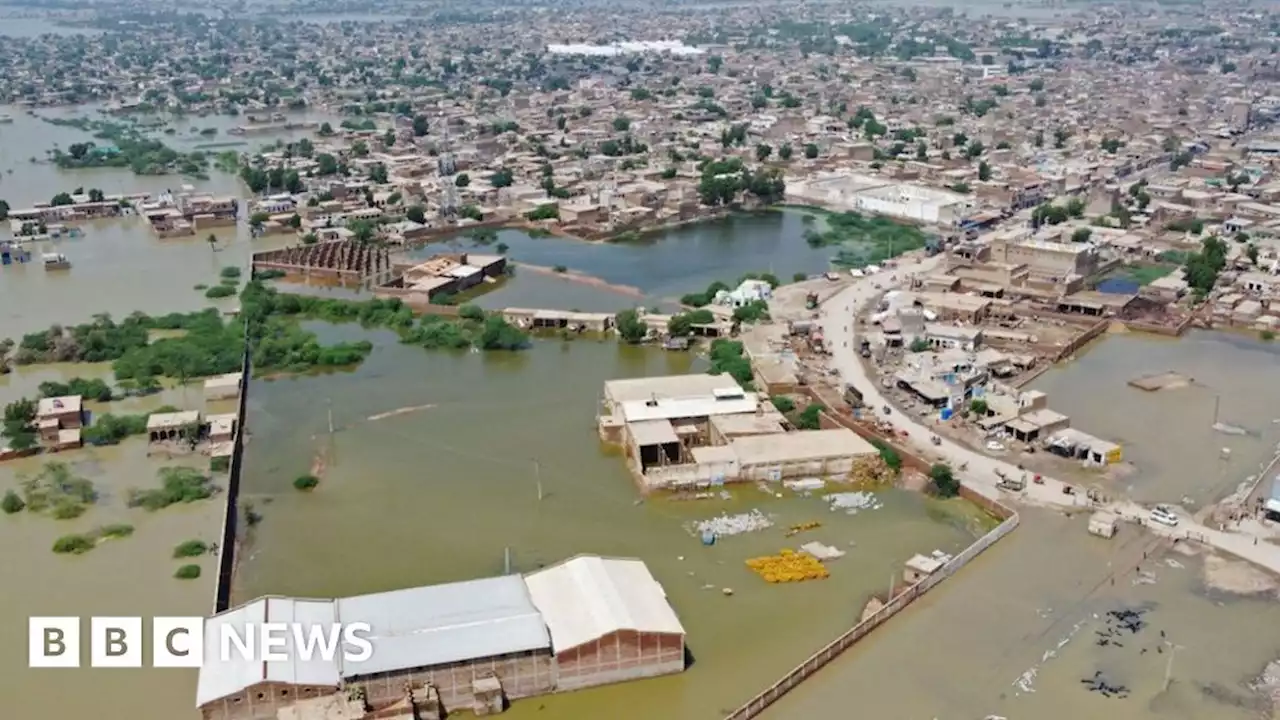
788, 682
230, 510
758, 704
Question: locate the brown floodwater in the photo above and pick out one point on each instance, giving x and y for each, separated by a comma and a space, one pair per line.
960, 652
1168, 434
441, 494
129, 576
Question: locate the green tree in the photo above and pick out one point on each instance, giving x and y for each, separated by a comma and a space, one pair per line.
984, 171
501, 179
979, 407
763, 151
810, 151
784, 152
783, 403
61, 199
12, 503
919, 345
420, 125
462, 180
416, 213
630, 327
4, 211
944, 480
1081, 235
810, 418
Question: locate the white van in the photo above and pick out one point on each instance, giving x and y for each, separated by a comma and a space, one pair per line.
1163, 514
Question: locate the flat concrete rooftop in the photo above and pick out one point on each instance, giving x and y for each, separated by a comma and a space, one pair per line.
667, 386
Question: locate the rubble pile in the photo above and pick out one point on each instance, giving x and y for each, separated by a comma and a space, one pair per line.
852, 502
726, 525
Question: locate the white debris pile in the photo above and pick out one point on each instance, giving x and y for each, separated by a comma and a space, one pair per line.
804, 484
852, 502
726, 525
822, 552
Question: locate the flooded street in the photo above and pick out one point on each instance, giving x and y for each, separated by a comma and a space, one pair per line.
958, 653
1168, 434
439, 493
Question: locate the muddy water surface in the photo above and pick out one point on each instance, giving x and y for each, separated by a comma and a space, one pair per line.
960, 652
441, 492
1168, 434
130, 576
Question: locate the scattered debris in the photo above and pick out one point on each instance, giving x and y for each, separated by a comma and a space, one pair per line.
852, 502
822, 552
797, 529
1099, 684
804, 484
728, 525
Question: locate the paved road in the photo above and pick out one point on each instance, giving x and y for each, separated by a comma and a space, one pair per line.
978, 471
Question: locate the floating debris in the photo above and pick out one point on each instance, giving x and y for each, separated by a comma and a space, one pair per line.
804, 484
1099, 684
1121, 621
727, 525
852, 502
822, 552
797, 529
788, 566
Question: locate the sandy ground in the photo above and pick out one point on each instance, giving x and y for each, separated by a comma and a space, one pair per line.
1237, 577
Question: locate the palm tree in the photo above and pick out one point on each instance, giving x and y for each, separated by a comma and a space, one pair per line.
213, 242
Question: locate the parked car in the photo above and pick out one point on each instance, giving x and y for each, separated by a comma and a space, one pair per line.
1164, 515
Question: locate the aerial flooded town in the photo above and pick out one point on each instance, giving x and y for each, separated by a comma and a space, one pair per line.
694, 360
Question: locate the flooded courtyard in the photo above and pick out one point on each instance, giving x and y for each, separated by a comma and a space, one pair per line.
443, 492
1168, 435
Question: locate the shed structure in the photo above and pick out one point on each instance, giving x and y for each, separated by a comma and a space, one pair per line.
242, 689
451, 636
609, 621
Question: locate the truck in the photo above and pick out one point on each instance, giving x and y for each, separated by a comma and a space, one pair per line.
811, 301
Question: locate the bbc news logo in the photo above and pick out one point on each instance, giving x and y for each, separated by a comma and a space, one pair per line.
181, 642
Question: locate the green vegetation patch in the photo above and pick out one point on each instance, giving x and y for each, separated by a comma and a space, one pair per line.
865, 240
306, 482
728, 357
188, 572
57, 491
190, 548
177, 485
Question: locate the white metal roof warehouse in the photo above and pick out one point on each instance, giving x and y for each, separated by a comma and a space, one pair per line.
438, 624
219, 679
587, 597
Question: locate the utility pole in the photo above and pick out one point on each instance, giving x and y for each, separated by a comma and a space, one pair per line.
330, 403
1168, 668
537, 474
506, 561
1217, 404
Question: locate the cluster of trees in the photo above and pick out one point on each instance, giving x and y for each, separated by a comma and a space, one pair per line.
1204, 265
18, 418
722, 181
91, 389
1048, 213
207, 347
177, 485
276, 179
545, 211
728, 357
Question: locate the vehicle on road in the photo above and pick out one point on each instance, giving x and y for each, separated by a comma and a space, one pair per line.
1163, 514
994, 446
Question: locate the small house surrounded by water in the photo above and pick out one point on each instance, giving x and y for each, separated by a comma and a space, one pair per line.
222, 387
172, 426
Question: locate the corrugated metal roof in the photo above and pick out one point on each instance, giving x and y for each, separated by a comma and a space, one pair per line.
437, 624
588, 597
219, 679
